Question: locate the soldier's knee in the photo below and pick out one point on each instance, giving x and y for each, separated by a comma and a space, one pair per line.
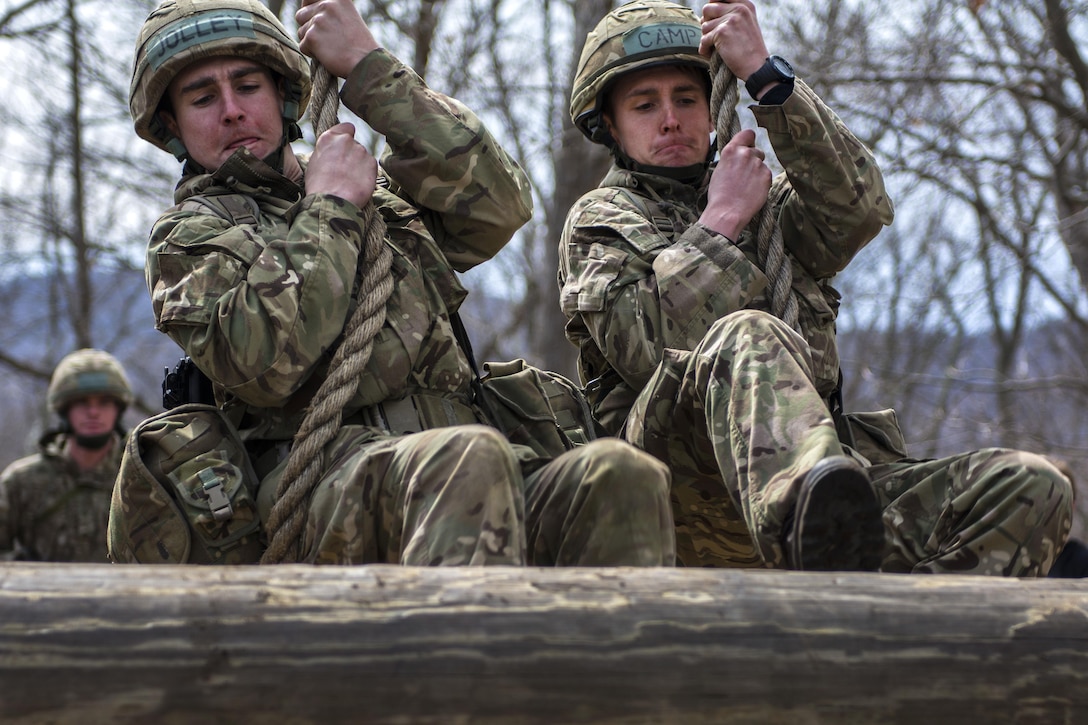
1048, 480
744, 321
480, 438
480, 452
611, 462
628, 458
726, 331
1029, 477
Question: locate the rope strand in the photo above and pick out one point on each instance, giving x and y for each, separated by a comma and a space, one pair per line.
770, 249
306, 461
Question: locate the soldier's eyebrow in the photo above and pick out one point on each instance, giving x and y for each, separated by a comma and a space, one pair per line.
645, 91
209, 79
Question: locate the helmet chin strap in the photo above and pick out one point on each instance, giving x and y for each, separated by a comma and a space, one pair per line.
291, 132
93, 443
690, 174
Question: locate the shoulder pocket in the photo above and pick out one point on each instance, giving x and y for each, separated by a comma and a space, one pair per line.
593, 273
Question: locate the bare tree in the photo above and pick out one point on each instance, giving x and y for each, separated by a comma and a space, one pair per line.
72, 207
961, 315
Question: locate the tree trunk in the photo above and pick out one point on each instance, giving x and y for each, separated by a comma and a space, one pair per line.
384, 644
578, 166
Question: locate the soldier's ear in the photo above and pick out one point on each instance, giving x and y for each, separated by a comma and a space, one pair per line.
604, 132
167, 119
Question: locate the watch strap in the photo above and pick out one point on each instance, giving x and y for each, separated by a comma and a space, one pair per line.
767, 73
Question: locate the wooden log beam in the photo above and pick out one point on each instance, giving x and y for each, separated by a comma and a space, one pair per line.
385, 644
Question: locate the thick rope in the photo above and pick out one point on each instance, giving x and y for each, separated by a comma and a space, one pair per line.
306, 461
724, 95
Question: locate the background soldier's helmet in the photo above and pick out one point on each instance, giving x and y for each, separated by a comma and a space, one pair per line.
180, 32
632, 37
88, 372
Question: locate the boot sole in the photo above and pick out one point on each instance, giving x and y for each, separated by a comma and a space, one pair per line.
838, 524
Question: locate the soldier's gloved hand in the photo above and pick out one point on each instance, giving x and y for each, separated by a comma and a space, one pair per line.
738, 187
341, 166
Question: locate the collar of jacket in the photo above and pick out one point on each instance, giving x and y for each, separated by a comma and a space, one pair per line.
242, 173
687, 193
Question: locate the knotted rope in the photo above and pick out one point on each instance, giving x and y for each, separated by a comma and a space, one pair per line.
306, 461
771, 252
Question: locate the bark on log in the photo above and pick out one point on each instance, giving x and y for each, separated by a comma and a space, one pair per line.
384, 644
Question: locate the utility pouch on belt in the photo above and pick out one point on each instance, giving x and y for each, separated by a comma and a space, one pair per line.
536, 408
186, 493
877, 436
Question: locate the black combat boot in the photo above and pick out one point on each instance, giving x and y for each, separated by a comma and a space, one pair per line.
837, 524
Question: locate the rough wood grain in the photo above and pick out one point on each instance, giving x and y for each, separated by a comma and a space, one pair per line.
383, 644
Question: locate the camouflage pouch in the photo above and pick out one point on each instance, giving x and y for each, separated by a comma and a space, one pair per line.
186, 493
877, 436
536, 408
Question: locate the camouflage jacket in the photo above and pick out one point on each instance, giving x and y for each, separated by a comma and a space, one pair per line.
52, 511
261, 306
638, 273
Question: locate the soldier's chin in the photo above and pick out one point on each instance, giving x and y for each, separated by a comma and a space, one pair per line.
93, 442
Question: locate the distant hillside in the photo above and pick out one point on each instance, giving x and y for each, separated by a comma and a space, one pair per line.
35, 334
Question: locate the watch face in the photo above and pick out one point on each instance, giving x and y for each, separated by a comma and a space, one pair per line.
782, 67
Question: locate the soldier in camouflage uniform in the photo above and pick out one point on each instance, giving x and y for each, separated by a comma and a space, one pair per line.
669, 308
54, 504
255, 273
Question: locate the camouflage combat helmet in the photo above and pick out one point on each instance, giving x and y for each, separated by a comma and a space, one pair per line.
179, 32
88, 372
632, 37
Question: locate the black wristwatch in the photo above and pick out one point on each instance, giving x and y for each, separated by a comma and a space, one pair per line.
776, 68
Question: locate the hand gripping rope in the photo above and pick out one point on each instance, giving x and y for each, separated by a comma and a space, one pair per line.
771, 251
306, 461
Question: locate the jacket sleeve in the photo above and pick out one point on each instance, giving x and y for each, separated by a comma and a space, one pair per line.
256, 313
832, 199
629, 292
440, 155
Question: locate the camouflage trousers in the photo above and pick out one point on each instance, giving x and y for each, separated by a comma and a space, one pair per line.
456, 496
602, 504
995, 511
739, 422
449, 496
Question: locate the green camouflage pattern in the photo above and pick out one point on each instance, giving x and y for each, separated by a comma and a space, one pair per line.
52, 511
185, 493
443, 497
259, 307
995, 511
739, 424
682, 357
601, 504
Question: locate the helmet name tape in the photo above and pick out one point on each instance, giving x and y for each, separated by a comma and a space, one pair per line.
92, 380
660, 37
189, 32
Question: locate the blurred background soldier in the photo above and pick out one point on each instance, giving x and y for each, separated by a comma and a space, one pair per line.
54, 504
